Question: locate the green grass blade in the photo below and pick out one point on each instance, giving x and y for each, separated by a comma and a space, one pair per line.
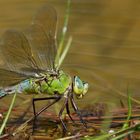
126, 124
62, 57
119, 137
8, 114
62, 38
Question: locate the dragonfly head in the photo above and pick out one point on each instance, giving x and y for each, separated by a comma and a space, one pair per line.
80, 87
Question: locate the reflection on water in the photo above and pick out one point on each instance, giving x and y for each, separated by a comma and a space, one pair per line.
106, 46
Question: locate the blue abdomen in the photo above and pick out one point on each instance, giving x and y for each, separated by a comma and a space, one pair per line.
25, 86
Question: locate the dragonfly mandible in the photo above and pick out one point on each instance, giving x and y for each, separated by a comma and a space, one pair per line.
28, 65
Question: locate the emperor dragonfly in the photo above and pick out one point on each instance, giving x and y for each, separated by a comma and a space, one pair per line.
28, 65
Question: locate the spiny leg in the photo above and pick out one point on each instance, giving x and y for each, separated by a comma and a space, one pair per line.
68, 112
77, 110
60, 116
56, 99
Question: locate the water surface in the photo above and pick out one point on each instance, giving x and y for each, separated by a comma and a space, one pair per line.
106, 46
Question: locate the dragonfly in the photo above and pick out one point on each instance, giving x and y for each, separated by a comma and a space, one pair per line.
28, 66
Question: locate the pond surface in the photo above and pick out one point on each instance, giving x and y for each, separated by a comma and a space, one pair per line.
106, 47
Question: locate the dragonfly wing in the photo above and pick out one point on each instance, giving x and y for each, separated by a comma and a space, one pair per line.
47, 18
16, 53
25, 54
9, 78
42, 36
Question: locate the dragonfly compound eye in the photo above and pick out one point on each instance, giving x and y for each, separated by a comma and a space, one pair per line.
78, 86
86, 86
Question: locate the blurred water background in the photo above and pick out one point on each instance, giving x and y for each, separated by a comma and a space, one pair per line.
106, 47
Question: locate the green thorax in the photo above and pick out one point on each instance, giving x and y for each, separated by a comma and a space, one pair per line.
55, 84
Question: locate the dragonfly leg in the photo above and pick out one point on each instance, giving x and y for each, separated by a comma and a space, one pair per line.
60, 115
68, 112
77, 110
40, 99
56, 99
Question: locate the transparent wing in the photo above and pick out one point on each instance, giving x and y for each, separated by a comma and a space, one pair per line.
9, 78
25, 54
42, 36
17, 54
